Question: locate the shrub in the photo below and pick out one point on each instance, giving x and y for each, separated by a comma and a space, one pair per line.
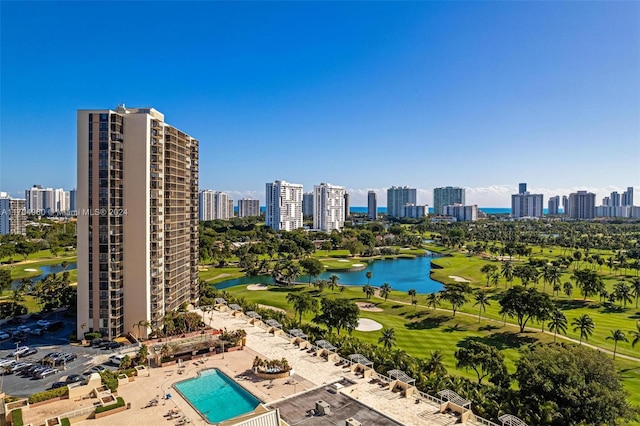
130, 372
48, 394
16, 417
119, 403
65, 422
90, 335
110, 380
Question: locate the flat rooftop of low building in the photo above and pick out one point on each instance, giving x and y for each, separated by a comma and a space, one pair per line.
295, 410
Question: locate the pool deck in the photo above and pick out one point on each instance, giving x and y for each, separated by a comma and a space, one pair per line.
311, 372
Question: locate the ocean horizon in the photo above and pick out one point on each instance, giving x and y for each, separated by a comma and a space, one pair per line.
363, 209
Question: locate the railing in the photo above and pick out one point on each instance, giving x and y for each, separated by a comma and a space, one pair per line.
430, 398
483, 421
78, 413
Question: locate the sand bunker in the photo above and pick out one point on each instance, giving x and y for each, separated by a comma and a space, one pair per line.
459, 279
358, 264
369, 307
257, 287
273, 308
366, 324
342, 260
31, 270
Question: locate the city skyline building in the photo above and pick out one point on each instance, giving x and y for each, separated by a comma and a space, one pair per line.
522, 188
283, 206
397, 197
47, 201
553, 205
414, 211
526, 205
446, 196
461, 213
307, 204
347, 205
13, 215
582, 205
248, 207
372, 205
328, 207
137, 223
627, 197
213, 205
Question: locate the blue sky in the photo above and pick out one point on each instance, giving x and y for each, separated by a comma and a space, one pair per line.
365, 95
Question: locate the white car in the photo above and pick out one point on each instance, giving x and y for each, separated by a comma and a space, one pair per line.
43, 323
4, 336
21, 350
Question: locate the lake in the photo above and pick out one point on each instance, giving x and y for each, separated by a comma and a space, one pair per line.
401, 274
46, 270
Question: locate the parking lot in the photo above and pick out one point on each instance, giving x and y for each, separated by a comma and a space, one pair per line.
16, 384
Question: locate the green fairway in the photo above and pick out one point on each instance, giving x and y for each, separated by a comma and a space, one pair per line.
420, 330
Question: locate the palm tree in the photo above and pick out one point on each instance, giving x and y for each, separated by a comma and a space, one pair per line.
369, 274
435, 363
622, 291
482, 299
385, 290
433, 300
368, 290
333, 281
558, 323
617, 336
488, 269
495, 278
585, 324
388, 338
635, 289
412, 293
568, 288
636, 335
507, 271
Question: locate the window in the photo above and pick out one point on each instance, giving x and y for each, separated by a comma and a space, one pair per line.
104, 117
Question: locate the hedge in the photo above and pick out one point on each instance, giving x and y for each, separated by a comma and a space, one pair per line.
119, 403
65, 422
48, 394
90, 335
110, 380
16, 417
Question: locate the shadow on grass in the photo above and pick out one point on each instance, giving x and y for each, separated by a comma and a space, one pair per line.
635, 316
488, 327
624, 372
398, 306
504, 340
296, 289
454, 328
566, 305
612, 309
418, 314
427, 323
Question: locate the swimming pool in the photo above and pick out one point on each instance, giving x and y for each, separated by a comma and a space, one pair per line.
216, 396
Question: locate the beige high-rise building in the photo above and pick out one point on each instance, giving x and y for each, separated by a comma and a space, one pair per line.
137, 201
328, 207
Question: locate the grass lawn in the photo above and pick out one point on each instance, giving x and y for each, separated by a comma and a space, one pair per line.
420, 330
18, 269
39, 255
214, 275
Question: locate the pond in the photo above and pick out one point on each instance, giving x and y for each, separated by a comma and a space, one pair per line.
401, 274
46, 270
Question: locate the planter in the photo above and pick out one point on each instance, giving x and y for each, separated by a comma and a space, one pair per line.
272, 376
233, 349
108, 413
48, 401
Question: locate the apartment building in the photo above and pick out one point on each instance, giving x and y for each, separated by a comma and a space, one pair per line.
13, 216
372, 205
328, 207
137, 197
213, 205
447, 196
284, 205
397, 197
248, 207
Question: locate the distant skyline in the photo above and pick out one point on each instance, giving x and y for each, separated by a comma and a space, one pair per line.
363, 95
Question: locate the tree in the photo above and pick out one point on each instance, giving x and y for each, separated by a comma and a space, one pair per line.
388, 338
482, 300
456, 294
369, 275
338, 314
302, 303
435, 363
142, 324
143, 353
525, 304
385, 290
617, 336
568, 288
495, 278
622, 293
582, 385
507, 271
488, 269
368, 290
433, 300
635, 335
5, 279
635, 289
485, 360
333, 281
585, 325
312, 266
557, 323
588, 281
412, 292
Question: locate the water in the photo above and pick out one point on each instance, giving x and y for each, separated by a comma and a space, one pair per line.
46, 270
401, 274
216, 396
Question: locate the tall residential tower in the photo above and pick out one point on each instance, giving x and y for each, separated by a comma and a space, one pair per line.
447, 196
399, 197
328, 207
284, 206
137, 220
372, 205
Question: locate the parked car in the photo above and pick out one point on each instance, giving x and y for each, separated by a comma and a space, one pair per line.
57, 385
4, 336
98, 369
24, 328
46, 373
31, 351
19, 366
97, 342
19, 351
43, 323
116, 360
74, 378
6, 364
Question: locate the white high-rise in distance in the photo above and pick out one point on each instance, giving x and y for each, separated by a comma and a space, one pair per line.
137, 223
328, 207
283, 205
